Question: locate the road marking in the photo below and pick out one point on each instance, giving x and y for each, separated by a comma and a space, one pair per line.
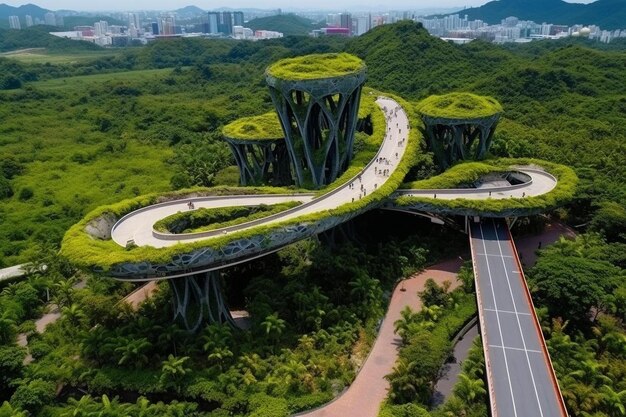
514, 348
494, 254
506, 311
495, 303
519, 324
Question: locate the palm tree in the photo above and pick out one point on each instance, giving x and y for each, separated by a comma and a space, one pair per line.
73, 316
274, 326
431, 313
613, 401
363, 287
63, 292
468, 389
216, 336
170, 335
8, 329
401, 324
219, 357
173, 370
134, 352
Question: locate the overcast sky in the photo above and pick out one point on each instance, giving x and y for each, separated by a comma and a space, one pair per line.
263, 4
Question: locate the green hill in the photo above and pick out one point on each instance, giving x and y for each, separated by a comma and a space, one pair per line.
608, 14
288, 24
38, 37
21, 11
69, 22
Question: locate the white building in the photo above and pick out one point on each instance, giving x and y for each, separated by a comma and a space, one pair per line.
29, 20
14, 22
49, 19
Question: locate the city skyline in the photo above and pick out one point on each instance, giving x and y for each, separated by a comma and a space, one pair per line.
121, 5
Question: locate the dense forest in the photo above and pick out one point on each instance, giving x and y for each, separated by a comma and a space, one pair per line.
78, 134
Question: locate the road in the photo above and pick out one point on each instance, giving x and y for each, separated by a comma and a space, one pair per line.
519, 372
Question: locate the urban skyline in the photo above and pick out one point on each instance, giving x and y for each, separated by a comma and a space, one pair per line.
119, 5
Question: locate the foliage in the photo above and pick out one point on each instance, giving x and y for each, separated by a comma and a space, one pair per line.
263, 127
459, 106
315, 66
288, 24
204, 219
34, 395
564, 191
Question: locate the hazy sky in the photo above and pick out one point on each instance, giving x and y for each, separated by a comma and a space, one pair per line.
267, 4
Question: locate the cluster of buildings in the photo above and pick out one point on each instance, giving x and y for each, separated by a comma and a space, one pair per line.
142, 31
461, 30
142, 28
49, 19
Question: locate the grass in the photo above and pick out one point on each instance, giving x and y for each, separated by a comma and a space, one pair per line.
459, 106
43, 56
82, 250
263, 127
560, 195
316, 66
205, 219
83, 81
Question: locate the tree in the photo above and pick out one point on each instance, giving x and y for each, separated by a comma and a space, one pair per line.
73, 317
33, 395
273, 326
173, 370
8, 329
433, 294
134, 352
11, 368
571, 286
469, 389
613, 401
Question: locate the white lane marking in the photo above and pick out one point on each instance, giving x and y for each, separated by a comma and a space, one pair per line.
494, 254
519, 324
514, 348
506, 311
495, 303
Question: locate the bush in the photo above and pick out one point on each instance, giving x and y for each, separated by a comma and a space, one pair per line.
26, 193
6, 191
262, 405
34, 395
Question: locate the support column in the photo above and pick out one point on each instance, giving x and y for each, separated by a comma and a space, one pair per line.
198, 300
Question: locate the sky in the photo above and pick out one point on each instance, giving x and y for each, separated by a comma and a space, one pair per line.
264, 4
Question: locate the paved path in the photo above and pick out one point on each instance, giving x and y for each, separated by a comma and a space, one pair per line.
137, 226
369, 389
519, 372
541, 183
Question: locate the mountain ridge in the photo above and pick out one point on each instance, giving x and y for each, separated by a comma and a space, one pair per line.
608, 14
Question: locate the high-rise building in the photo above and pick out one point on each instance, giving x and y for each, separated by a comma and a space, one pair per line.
29, 20
226, 24
133, 19
14, 22
167, 26
155, 28
238, 18
345, 20
49, 19
214, 20
59, 21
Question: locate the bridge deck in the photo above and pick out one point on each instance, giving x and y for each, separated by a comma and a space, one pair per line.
519, 372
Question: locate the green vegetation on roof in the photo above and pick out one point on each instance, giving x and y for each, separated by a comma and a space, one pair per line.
316, 66
262, 127
459, 106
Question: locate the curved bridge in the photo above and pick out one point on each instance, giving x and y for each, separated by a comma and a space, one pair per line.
137, 226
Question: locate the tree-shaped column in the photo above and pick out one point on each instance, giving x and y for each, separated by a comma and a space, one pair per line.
459, 126
259, 149
317, 100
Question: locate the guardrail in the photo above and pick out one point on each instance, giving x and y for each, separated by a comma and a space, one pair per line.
242, 226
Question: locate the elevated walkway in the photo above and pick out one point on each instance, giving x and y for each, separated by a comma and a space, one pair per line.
520, 375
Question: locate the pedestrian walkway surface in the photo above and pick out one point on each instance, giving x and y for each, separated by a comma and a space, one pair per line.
519, 372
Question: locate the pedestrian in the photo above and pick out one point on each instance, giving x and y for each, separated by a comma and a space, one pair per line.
539, 247
435, 196
353, 199
489, 193
375, 186
524, 194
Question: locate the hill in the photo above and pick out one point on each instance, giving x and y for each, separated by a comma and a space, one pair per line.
288, 24
21, 11
69, 22
608, 14
189, 11
38, 37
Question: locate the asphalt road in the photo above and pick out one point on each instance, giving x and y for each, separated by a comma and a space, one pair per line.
521, 381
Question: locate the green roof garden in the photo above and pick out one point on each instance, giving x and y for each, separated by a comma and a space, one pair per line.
262, 127
459, 106
316, 66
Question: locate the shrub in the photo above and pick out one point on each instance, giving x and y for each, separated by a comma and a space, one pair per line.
26, 193
34, 395
5, 188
